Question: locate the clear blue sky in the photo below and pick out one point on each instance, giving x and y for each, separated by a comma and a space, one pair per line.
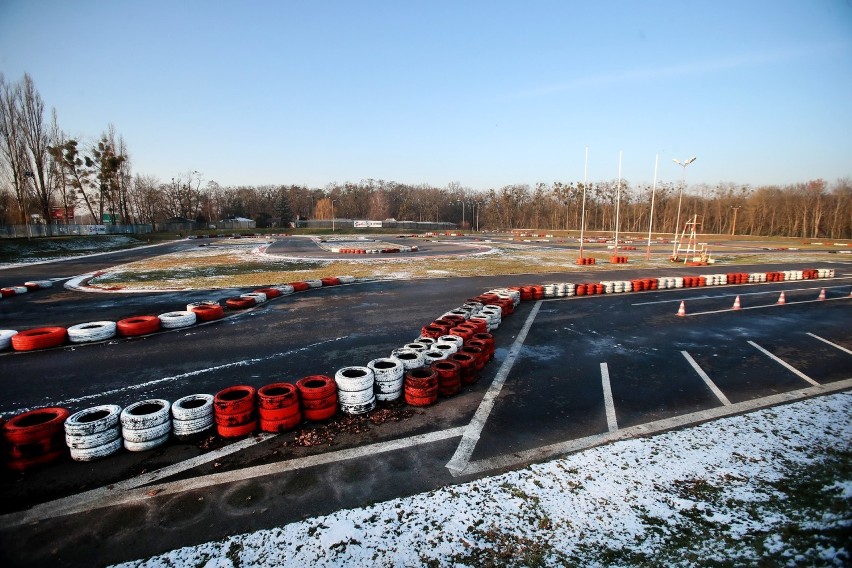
483, 93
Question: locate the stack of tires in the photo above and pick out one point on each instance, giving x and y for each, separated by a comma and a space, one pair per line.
449, 377
410, 358
319, 397
355, 389
34, 438
279, 407
389, 376
192, 416
94, 433
235, 411
146, 424
421, 386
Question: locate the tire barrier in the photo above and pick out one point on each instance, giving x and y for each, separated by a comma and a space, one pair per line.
92, 331
137, 325
433, 356
235, 411
618, 260
355, 392
146, 424
285, 289
34, 438
410, 358
299, 286
6, 338
269, 293
279, 407
314, 283
258, 297
586, 260
192, 415
240, 303
330, 281
388, 373
319, 397
94, 433
207, 312
421, 386
467, 364
175, 320
39, 338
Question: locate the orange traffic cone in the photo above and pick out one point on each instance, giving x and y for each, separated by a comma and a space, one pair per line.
682, 310
781, 299
821, 294
737, 304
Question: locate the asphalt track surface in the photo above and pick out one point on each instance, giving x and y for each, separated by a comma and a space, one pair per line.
568, 374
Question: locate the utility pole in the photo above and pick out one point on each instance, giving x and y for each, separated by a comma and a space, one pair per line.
734, 224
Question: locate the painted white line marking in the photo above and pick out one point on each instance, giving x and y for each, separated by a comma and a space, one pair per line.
719, 394
118, 494
245, 362
784, 364
765, 306
611, 422
471, 433
731, 295
544, 453
830, 343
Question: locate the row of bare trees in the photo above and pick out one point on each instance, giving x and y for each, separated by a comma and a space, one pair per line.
43, 171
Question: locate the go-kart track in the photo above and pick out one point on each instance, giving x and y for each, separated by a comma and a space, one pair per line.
568, 373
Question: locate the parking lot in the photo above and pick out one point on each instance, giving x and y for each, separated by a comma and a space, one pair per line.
568, 373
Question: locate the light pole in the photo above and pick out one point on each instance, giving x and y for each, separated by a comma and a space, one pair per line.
734, 224
583, 216
679, 199
332, 214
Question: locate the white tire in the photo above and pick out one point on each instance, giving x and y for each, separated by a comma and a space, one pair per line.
6, 338
189, 427
92, 454
354, 379
446, 347
387, 369
452, 339
285, 289
346, 279
147, 434
193, 407
145, 414
91, 331
174, 320
388, 396
427, 341
359, 408
410, 358
351, 398
19, 290
90, 441
434, 355
145, 446
417, 346
314, 283
93, 420
258, 297
385, 387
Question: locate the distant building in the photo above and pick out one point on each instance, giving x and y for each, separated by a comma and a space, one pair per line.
236, 223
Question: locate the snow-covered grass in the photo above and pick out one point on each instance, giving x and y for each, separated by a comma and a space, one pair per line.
17, 252
769, 488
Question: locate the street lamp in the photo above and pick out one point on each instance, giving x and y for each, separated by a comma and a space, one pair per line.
332, 214
680, 198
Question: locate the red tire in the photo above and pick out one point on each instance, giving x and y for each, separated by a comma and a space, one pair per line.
421, 392
283, 413
26, 464
330, 281
319, 403
137, 325
238, 303
235, 400
320, 414
35, 425
299, 286
277, 395
270, 292
235, 419
464, 332
422, 378
316, 387
39, 338
479, 357
7, 292
281, 425
35, 449
420, 401
237, 431
208, 312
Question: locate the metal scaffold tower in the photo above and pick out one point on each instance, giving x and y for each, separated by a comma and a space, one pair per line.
694, 253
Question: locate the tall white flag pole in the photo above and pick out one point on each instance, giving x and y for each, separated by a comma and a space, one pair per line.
653, 194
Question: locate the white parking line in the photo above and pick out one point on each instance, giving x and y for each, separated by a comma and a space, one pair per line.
471, 433
830, 343
783, 363
710, 384
611, 422
544, 453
